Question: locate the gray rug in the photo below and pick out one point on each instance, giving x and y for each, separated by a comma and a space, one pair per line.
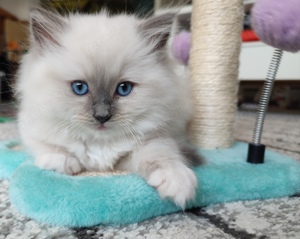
276, 218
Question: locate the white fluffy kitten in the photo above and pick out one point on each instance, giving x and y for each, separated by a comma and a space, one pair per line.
101, 93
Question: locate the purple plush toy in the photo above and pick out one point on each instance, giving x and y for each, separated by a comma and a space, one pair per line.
181, 46
277, 23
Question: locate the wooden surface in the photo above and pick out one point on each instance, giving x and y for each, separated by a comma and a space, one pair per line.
281, 131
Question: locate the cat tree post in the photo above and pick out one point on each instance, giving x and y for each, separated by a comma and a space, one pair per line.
214, 62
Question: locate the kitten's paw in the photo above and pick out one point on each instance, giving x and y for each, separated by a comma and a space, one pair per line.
60, 163
178, 183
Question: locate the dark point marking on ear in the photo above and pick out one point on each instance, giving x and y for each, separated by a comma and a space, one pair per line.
157, 29
45, 26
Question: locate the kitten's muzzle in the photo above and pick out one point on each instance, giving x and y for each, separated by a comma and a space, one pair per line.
102, 118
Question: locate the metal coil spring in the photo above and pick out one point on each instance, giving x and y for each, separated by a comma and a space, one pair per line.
266, 94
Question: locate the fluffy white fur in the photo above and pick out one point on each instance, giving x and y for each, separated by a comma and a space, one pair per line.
148, 128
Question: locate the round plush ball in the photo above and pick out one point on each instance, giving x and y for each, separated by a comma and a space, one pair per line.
277, 23
181, 46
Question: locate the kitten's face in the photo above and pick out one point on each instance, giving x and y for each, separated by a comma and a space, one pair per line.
105, 75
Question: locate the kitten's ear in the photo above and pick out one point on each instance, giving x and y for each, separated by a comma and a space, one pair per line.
46, 26
157, 30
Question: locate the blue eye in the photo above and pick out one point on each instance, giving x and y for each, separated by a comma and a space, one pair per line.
80, 87
124, 88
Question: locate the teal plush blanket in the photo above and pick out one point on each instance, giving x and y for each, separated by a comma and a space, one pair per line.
121, 199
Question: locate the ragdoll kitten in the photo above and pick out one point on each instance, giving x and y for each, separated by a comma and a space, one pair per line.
101, 93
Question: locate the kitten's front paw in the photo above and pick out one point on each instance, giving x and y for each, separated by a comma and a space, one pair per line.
60, 163
176, 182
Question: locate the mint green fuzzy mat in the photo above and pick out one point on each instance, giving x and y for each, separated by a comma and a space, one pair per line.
6, 119
82, 201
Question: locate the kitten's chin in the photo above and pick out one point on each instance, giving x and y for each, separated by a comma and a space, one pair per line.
102, 127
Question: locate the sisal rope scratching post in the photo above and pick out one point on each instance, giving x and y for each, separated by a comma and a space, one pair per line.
214, 61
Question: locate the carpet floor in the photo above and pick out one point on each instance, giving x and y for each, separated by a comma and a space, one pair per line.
275, 218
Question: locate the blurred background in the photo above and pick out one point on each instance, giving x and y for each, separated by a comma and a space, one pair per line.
254, 60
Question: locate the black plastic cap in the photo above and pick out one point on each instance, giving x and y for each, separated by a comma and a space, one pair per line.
256, 153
